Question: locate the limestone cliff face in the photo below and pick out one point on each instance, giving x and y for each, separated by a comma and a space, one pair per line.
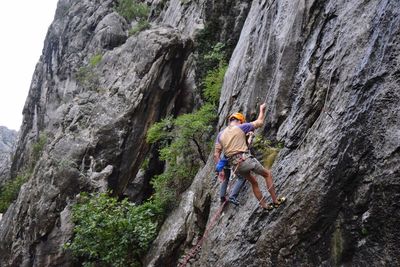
95, 123
329, 73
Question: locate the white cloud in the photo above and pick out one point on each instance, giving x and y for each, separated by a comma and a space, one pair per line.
23, 28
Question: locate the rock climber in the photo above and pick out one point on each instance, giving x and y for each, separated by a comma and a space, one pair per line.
232, 142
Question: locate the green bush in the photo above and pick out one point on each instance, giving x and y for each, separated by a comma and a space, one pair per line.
9, 191
109, 232
131, 9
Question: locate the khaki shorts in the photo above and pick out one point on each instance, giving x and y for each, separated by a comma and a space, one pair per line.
250, 164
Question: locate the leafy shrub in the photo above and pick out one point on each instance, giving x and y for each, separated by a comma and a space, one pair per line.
9, 191
184, 141
196, 128
109, 232
184, 145
131, 9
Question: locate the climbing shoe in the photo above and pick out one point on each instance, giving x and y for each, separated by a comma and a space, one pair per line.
280, 201
234, 201
223, 199
270, 206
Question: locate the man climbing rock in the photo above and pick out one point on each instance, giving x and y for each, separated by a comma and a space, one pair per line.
232, 141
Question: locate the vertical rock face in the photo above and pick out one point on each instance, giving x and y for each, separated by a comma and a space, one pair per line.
329, 73
8, 140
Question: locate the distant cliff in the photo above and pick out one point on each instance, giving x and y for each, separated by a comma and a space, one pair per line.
8, 140
330, 75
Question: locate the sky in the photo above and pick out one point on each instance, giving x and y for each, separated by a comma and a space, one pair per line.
23, 28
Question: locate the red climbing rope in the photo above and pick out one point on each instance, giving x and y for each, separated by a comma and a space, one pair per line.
197, 247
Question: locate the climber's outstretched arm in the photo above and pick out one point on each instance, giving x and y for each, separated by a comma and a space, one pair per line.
261, 116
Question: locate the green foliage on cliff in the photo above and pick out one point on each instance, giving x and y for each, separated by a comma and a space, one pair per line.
213, 83
9, 191
209, 58
109, 232
184, 146
86, 75
160, 131
184, 135
37, 148
95, 60
132, 9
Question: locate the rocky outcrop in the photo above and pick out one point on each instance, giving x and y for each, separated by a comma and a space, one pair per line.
8, 140
95, 119
329, 73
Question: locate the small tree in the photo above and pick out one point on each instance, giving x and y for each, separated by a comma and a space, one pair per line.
184, 145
